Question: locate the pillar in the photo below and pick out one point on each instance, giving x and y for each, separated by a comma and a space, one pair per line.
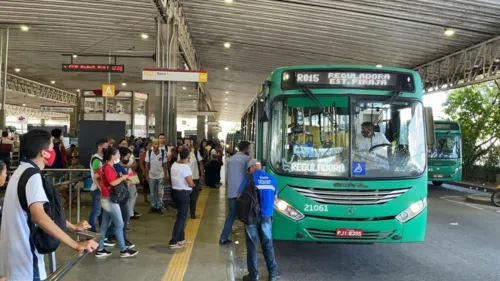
167, 56
3, 78
210, 128
200, 124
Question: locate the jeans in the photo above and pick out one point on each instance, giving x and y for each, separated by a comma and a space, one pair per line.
96, 209
261, 231
194, 198
132, 190
125, 217
112, 213
181, 199
231, 216
156, 188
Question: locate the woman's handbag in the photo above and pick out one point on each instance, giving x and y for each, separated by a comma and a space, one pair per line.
119, 193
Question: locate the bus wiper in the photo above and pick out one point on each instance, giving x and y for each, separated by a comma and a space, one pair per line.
316, 101
394, 97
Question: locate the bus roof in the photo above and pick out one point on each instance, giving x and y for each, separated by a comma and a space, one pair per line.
444, 125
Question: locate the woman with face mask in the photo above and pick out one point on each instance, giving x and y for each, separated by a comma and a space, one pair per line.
109, 178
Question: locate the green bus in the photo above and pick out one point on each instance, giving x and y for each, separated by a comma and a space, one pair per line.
232, 141
445, 158
348, 147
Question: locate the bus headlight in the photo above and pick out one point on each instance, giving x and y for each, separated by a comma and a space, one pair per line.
288, 210
412, 211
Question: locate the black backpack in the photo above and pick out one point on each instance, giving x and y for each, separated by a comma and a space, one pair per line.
44, 243
248, 204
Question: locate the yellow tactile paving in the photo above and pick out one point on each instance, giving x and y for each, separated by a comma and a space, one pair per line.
178, 265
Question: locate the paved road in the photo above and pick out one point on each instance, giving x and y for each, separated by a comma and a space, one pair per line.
460, 245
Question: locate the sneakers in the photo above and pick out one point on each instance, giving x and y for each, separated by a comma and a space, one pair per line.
248, 278
128, 253
108, 243
102, 253
153, 210
129, 244
159, 211
274, 278
179, 245
227, 242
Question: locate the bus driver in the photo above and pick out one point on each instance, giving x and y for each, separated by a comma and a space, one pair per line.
369, 138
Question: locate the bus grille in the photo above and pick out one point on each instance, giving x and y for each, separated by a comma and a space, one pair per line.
332, 235
350, 197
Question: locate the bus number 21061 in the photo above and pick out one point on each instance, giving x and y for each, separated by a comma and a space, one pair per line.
315, 208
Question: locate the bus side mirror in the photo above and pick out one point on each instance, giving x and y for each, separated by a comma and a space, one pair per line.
429, 127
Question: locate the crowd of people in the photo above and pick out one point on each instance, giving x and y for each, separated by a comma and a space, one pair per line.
172, 176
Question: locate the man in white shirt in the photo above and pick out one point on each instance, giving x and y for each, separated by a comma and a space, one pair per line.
369, 138
163, 145
19, 257
196, 165
156, 173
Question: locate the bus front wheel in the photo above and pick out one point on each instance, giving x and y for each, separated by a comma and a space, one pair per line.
437, 183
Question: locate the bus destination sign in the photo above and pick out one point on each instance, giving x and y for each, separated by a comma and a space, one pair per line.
348, 79
94, 68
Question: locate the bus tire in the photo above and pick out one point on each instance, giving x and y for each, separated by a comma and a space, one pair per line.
495, 198
437, 183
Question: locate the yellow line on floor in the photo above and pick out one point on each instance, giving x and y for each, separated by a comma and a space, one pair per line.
178, 265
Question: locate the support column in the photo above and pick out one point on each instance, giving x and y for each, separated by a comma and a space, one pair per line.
159, 97
200, 124
4, 85
210, 129
173, 63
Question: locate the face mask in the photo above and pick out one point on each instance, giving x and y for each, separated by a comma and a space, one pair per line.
116, 161
52, 157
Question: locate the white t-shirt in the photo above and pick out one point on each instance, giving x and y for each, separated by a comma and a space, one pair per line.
131, 161
195, 166
367, 143
156, 164
179, 173
17, 261
167, 149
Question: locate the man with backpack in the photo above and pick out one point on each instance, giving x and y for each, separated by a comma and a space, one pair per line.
33, 221
156, 174
255, 208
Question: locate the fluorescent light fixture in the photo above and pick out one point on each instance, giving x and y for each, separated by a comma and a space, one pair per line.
379, 65
52, 82
189, 95
228, 1
75, 56
227, 92
448, 31
24, 28
227, 45
24, 104
17, 69
144, 36
124, 84
184, 88
77, 90
226, 68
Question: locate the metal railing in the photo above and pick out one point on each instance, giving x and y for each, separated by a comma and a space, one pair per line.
59, 273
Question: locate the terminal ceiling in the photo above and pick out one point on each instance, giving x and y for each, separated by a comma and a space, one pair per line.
264, 34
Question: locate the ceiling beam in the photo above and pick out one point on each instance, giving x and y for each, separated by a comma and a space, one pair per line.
476, 64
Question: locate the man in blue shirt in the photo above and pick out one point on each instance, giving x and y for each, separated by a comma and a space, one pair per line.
236, 171
266, 184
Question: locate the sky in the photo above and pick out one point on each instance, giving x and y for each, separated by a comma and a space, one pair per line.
436, 101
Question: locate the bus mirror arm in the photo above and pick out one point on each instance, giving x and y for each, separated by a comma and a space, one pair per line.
429, 126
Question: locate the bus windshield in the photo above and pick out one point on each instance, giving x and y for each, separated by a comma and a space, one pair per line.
348, 137
447, 147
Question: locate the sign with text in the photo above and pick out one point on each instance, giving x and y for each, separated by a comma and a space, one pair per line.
108, 90
154, 74
360, 79
55, 108
22, 119
94, 68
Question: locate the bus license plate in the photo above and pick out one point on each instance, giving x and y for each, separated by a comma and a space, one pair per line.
438, 176
347, 232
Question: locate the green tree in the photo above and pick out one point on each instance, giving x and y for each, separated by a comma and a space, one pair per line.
477, 109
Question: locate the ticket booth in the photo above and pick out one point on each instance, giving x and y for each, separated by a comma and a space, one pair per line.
131, 107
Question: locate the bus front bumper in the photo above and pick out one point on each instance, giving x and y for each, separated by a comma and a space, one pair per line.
314, 229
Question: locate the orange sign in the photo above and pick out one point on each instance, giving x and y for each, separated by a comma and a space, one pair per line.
108, 90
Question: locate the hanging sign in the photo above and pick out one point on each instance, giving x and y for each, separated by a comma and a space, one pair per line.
108, 90
55, 108
158, 74
22, 119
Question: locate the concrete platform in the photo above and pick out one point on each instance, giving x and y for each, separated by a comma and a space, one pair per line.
202, 260
483, 199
